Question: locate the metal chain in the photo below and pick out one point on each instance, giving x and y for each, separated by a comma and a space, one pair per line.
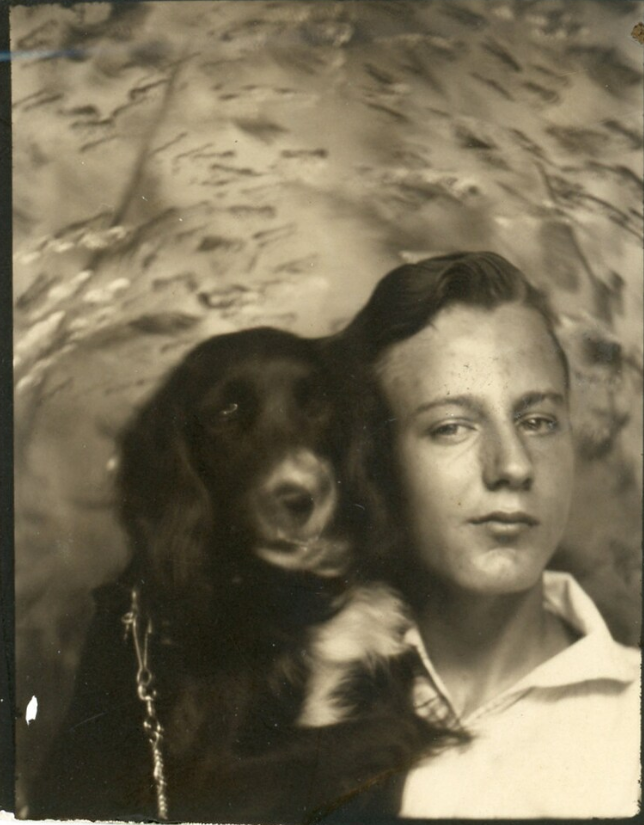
147, 694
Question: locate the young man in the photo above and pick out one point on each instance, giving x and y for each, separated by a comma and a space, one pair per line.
478, 471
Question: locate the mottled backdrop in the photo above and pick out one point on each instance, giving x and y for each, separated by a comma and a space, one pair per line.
189, 168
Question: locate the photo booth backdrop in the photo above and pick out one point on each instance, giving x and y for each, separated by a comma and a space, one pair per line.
186, 169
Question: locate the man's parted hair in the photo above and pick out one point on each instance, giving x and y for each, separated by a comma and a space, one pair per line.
409, 297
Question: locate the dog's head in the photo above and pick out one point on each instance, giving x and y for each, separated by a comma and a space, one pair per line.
236, 460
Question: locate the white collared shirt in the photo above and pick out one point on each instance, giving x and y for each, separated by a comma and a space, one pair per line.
564, 741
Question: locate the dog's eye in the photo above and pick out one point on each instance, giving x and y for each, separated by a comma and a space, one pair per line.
220, 415
234, 403
229, 411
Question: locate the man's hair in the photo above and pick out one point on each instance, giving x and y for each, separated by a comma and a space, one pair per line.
403, 303
409, 297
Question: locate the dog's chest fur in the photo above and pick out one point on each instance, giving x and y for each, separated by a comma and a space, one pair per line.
361, 638
335, 658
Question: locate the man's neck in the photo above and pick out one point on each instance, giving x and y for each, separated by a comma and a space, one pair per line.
481, 645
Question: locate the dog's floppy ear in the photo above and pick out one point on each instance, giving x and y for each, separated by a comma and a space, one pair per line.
163, 503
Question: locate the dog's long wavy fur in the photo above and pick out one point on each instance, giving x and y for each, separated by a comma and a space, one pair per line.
284, 691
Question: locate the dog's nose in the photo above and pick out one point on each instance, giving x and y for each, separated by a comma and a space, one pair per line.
296, 500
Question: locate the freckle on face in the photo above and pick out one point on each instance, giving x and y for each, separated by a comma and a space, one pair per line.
493, 358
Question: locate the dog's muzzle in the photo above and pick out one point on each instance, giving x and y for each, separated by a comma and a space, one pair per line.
293, 507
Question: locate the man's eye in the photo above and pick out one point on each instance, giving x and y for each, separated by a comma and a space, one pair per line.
450, 431
539, 424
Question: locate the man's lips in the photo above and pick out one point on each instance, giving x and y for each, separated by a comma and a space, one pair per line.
505, 517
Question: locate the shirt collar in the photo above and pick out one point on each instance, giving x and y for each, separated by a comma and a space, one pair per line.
594, 656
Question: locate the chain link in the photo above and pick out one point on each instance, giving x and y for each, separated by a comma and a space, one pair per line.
147, 694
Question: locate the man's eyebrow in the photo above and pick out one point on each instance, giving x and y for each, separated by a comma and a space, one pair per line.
467, 401
471, 403
531, 399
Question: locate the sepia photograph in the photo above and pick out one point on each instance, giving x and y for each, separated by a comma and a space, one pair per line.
328, 366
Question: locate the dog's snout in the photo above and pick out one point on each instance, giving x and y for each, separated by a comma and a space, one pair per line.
298, 498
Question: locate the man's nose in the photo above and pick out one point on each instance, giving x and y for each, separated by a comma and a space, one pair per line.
507, 461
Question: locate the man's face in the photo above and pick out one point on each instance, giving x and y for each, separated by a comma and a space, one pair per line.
483, 444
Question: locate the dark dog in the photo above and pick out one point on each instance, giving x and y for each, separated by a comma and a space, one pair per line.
275, 675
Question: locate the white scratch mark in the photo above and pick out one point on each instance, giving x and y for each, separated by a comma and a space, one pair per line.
32, 710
